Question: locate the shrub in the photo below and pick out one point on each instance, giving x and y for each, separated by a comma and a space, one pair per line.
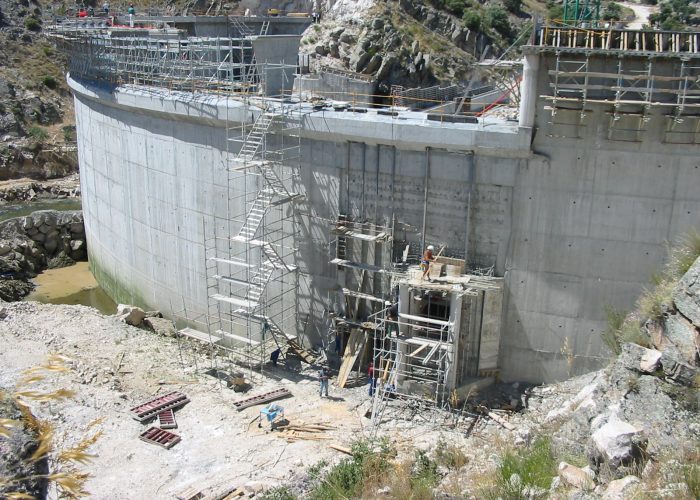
612, 12
279, 493
472, 20
32, 24
497, 19
513, 6
49, 82
534, 466
38, 133
456, 6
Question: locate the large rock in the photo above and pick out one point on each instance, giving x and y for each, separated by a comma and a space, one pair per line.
650, 361
131, 315
576, 477
622, 489
161, 326
686, 295
683, 335
618, 442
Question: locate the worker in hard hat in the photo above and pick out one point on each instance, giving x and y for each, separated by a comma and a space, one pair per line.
426, 260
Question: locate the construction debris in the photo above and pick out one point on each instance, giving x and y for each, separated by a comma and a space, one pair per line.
301, 431
161, 437
150, 409
341, 449
262, 398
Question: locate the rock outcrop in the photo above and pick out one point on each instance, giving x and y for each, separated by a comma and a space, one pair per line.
28, 245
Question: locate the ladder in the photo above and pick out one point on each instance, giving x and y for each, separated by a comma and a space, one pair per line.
265, 27
242, 28
256, 136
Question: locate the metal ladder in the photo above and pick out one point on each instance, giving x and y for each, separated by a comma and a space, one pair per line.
256, 136
264, 28
264, 273
242, 28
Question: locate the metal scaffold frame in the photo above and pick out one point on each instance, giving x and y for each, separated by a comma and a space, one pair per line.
424, 358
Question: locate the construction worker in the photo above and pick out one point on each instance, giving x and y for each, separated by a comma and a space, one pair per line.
274, 356
426, 260
372, 380
392, 318
132, 10
323, 379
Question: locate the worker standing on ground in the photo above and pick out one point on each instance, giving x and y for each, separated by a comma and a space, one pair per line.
371, 379
323, 379
274, 356
426, 260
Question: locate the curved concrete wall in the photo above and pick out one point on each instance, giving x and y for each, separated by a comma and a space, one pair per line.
153, 171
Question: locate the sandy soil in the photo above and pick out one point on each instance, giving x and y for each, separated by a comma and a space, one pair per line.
218, 448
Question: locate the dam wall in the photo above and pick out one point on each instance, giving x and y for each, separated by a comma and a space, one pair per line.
573, 221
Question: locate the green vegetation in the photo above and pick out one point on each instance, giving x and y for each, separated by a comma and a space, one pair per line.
555, 11
496, 18
612, 12
278, 493
49, 82
32, 24
37, 133
523, 473
674, 15
513, 6
472, 20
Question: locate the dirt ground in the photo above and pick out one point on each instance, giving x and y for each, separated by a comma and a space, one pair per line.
117, 366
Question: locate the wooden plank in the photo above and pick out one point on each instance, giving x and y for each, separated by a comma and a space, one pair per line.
420, 349
342, 449
357, 265
355, 345
501, 421
198, 335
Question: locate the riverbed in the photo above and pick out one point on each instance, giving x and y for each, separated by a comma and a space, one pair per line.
71, 285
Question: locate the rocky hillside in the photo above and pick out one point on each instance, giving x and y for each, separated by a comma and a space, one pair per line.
37, 131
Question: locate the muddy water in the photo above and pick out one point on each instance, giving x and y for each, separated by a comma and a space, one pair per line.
21, 209
71, 285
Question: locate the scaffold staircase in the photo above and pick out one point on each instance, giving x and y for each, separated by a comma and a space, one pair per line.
255, 138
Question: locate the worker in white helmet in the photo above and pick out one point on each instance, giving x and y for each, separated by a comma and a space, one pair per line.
426, 260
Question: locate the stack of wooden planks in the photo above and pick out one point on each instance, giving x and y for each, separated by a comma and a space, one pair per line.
354, 348
300, 431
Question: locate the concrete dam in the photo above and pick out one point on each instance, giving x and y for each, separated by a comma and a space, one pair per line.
226, 200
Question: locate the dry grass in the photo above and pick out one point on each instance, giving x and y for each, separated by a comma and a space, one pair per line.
64, 474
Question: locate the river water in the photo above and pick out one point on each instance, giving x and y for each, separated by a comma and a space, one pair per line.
21, 209
71, 285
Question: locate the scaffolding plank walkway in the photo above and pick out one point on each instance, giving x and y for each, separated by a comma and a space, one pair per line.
262, 398
237, 338
358, 265
353, 349
198, 335
151, 408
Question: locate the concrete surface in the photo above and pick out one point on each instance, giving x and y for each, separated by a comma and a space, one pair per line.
573, 224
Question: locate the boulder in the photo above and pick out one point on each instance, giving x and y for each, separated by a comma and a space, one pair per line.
334, 49
5, 248
621, 489
678, 371
27, 223
348, 38
131, 315
373, 64
617, 442
630, 356
576, 477
682, 333
650, 362
686, 295
77, 228
161, 326
76, 245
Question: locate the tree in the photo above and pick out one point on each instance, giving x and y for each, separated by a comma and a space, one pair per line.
497, 18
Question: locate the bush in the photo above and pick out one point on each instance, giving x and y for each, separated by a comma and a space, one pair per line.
38, 133
279, 493
32, 24
456, 6
534, 466
497, 19
612, 12
513, 6
472, 20
49, 82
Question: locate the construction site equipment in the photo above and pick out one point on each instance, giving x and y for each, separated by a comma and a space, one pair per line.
261, 399
150, 409
270, 413
161, 437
